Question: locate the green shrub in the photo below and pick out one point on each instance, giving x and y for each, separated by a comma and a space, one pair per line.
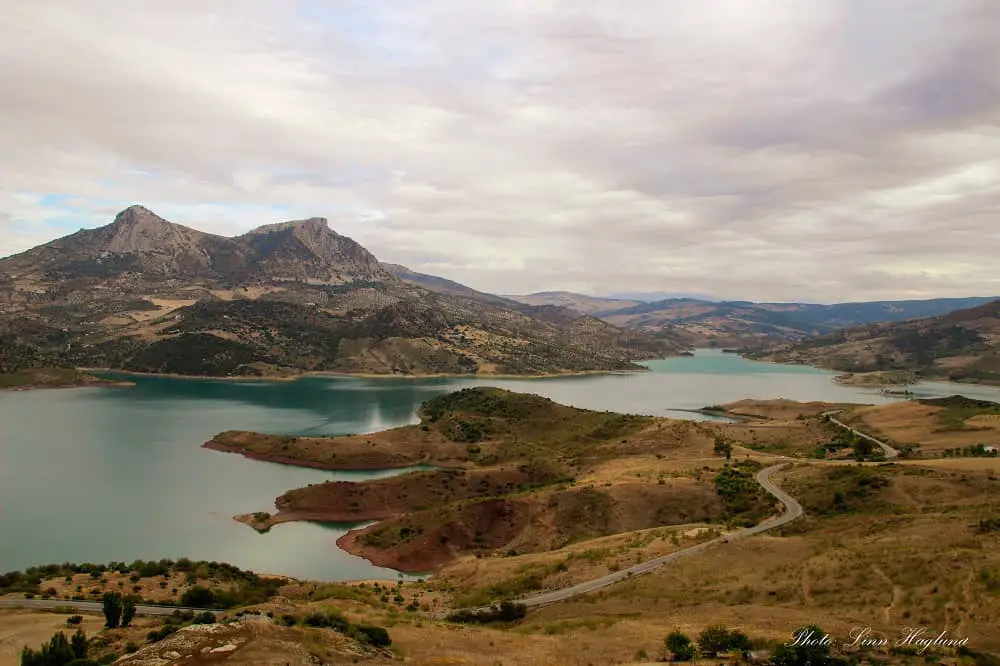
376, 636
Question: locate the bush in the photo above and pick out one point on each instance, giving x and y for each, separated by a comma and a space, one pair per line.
198, 597
161, 633
57, 652
112, 609
74, 619
679, 646
376, 636
715, 639
506, 612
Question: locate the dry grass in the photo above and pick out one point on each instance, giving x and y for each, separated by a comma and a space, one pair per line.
26, 628
781, 409
927, 426
168, 588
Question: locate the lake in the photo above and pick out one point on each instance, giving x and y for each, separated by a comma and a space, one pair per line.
102, 474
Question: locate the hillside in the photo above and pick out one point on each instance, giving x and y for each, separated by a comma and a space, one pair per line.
144, 294
506, 523
445, 286
960, 346
740, 323
578, 302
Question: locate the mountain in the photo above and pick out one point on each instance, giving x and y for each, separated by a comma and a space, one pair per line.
145, 294
651, 296
742, 323
442, 285
963, 345
579, 302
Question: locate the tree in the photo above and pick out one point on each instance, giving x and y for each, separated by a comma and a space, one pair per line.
79, 644
739, 641
128, 611
56, 652
112, 609
713, 640
198, 597
679, 646
808, 647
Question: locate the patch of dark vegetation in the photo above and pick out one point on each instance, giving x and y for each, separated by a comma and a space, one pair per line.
960, 402
485, 402
844, 489
60, 651
957, 409
241, 587
367, 634
988, 526
505, 611
745, 502
178, 621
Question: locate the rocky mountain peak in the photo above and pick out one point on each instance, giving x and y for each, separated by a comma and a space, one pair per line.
309, 226
137, 229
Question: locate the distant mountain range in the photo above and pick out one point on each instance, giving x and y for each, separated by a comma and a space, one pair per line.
742, 323
145, 294
963, 345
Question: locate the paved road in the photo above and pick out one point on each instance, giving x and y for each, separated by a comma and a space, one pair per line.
889, 451
792, 511
92, 606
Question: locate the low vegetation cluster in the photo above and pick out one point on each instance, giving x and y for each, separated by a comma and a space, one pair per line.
233, 586
366, 634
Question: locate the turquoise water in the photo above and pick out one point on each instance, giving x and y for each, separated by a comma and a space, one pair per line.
100, 474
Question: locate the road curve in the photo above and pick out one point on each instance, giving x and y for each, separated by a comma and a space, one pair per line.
888, 450
792, 511
94, 606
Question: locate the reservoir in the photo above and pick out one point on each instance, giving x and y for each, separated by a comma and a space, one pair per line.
102, 474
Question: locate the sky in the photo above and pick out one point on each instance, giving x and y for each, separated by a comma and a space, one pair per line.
824, 151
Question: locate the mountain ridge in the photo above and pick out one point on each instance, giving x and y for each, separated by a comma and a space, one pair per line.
741, 323
144, 294
962, 345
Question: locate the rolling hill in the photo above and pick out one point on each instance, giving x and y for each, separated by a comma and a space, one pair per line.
963, 345
744, 323
580, 302
145, 294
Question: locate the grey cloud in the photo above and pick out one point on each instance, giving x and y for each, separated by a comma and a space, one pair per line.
825, 150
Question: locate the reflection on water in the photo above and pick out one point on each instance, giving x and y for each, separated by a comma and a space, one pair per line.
118, 474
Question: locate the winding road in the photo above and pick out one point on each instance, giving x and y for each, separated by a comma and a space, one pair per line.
888, 450
793, 510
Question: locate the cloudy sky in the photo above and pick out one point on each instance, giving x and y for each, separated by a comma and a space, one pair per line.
767, 150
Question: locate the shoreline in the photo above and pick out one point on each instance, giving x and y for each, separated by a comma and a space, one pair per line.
212, 445
428, 564
369, 375
76, 385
